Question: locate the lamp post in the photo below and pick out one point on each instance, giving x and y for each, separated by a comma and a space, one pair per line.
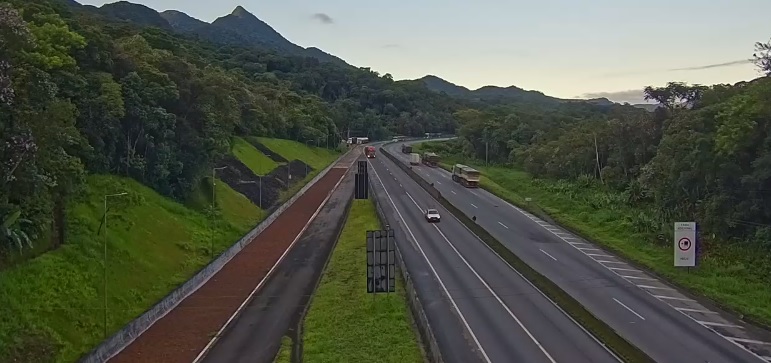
213, 199
307, 144
104, 266
254, 182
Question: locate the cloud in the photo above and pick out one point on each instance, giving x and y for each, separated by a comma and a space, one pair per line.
391, 46
710, 66
324, 18
632, 96
686, 69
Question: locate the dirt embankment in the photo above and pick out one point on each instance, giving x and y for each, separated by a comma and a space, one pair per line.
239, 177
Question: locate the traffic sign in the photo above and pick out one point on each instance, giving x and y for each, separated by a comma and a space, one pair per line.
685, 244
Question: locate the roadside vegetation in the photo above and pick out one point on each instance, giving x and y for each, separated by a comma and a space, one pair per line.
256, 161
622, 179
284, 354
55, 301
342, 314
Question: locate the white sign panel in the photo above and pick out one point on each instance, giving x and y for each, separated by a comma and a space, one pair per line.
685, 244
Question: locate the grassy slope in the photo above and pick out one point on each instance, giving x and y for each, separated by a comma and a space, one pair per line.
252, 158
154, 244
317, 158
342, 315
724, 275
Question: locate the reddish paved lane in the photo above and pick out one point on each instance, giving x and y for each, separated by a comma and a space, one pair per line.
184, 332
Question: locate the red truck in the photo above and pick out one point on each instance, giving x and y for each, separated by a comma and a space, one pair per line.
369, 151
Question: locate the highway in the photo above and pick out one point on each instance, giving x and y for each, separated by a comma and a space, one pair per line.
468, 290
668, 325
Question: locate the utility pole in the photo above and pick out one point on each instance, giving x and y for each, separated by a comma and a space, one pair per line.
597, 159
213, 200
487, 145
104, 266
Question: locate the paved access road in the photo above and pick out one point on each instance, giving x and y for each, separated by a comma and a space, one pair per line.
668, 325
277, 307
501, 315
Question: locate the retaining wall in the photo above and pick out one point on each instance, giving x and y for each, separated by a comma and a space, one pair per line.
121, 339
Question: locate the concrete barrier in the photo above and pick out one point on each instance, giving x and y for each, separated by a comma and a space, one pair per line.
427, 337
121, 339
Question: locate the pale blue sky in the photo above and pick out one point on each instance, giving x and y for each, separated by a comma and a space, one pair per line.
564, 48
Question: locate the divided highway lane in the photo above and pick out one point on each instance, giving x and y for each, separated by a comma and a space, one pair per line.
664, 323
506, 317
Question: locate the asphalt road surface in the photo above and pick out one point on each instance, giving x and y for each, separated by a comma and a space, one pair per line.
505, 318
256, 334
668, 325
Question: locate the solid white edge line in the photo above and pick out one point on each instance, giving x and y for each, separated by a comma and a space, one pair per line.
659, 297
628, 308
431, 266
547, 254
217, 336
587, 332
498, 298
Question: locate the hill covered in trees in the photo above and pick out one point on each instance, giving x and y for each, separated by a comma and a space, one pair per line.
83, 93
705, 156
511, 94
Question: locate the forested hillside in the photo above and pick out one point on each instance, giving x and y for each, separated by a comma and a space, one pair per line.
704, 156
81, 93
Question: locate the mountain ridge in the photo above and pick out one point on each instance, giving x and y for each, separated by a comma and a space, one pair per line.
511, 94
239, 27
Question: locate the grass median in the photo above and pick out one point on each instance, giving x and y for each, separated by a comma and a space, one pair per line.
620, 346
344, 322
732, 276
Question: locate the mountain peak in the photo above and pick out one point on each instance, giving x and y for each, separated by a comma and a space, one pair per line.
240, 12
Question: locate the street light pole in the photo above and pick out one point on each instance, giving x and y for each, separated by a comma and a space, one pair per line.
213, 200
104, 266
306, 164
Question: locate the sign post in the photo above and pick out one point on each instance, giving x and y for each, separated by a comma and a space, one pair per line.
685, 244
381, 261
361, 182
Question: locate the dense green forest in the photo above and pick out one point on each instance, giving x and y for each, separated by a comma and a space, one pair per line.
621, 176
81, 93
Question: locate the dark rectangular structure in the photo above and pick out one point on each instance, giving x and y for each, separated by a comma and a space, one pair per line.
361, 181
381, 261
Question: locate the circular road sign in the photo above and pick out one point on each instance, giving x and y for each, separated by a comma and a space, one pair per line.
684, 244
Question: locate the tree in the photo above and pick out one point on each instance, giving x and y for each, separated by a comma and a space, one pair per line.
762, 57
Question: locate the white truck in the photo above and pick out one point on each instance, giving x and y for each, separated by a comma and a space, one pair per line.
414, 159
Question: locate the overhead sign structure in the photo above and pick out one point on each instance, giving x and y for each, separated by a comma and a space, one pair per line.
381, 262
685, 244
361, 181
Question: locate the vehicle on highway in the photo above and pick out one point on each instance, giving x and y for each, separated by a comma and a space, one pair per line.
432, 215
369, 151
414, 159
431, 159
406, 149
465, 175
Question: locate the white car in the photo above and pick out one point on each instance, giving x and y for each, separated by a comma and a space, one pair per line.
432, 215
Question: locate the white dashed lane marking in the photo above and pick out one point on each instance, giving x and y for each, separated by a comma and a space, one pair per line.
547, 254
662, 293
